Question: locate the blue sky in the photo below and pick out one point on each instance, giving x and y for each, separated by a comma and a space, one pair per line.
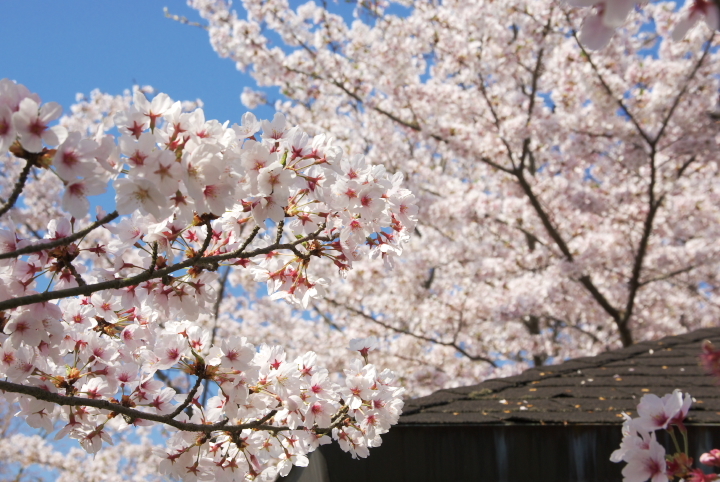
58, 49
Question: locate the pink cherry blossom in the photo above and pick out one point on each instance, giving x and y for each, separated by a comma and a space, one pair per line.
75, 157
711, 458
644, 464
75, 200
7, 128
656, 413
32, 123
320, 413
139, 194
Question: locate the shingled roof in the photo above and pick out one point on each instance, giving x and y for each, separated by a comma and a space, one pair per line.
589, 390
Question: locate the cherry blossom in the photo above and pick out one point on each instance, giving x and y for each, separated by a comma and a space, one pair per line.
31, 122
644, 464
135, 286
551, 215
645, 457
656, 413
711, 458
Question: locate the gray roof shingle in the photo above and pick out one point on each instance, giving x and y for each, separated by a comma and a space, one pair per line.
588, 390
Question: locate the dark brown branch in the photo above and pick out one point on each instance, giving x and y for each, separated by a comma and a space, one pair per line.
685, 165
537, 71
585, 280
146, 275
544, 218
534, 85
634, 282
33, 248
188, 400
496, 121
676, 102
216, 315
78, 279
453, 345
607, 88
132, 413
19, 186
153, 258
669, 275
278, 235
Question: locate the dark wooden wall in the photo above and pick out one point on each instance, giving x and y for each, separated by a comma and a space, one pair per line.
496, 453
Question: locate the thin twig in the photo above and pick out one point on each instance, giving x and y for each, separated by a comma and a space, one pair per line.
669, 275
403, 331
146, 275
607, 88
19, 186
216, 315
33, 248
188, 400
676, 102
279, 233
183, 20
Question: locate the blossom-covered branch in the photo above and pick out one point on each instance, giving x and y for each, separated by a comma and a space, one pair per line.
129, 311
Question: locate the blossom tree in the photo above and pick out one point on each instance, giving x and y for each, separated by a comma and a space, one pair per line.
100, 314
567, 197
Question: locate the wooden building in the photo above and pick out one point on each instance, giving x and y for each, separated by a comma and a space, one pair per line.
554, 423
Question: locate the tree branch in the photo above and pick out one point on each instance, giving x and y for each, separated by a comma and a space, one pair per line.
147, 275
62, 400
606, 87
188, 400
216, 315
669, 275
33, 248
585, 280
453, 345
19, 186
676, 102
78, 279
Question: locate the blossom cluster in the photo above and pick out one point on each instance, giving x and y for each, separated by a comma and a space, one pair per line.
176, 177
608, 15
191, 196
646, 457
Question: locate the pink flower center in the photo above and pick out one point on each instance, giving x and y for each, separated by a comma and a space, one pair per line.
77, 189
69, 158
36, 127
172, 354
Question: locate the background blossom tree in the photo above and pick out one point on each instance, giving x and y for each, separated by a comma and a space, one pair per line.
567, 196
